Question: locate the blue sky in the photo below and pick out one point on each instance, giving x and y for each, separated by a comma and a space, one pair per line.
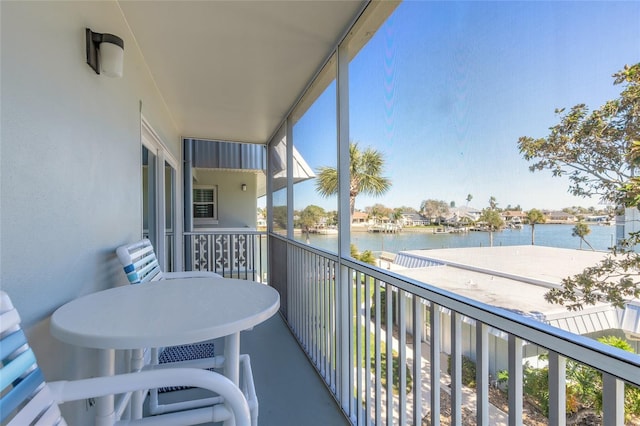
445, 89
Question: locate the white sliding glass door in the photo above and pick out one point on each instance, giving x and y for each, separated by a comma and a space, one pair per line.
159, 198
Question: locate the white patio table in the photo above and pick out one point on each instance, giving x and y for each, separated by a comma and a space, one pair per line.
164, 313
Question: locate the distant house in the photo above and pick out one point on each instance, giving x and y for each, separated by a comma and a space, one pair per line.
513, 215
559, 217
463, 214
359, 218
413, 219
261, 221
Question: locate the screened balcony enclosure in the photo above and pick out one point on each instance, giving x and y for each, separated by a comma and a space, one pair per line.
329, 150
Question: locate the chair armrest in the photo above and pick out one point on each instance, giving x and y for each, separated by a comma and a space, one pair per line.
73, 390
190, 274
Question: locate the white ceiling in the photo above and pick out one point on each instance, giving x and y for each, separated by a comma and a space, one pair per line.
230, 70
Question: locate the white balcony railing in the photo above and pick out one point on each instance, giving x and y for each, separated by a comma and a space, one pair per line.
343, 311
350, 318
234, 253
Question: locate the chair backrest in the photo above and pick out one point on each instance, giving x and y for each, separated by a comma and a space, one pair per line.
26, 399
139, 262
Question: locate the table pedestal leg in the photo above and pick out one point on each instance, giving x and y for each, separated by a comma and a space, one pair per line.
137, 399
105, 414
232, 363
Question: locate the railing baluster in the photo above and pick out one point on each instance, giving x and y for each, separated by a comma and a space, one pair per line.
367, 346
515, 381
389, 353
319, 318
306, 309
302, 303
612, 400
357, 307
322, 288
417, 359
456, 369
402, 352
298, 284
292, 275
482, 373
345, 329
314, 286
334, 334
557, 389
434, 341
378, 340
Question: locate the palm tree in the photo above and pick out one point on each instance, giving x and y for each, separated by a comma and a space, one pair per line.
493, 204
365, 169
581, 230
535, 216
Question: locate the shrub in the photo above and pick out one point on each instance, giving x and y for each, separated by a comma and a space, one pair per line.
396, 371
468, 371
536, 385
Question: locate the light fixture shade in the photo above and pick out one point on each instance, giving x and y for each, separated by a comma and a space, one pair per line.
105, 52
111, 59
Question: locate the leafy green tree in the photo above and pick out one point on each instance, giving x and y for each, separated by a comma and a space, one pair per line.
407, 209
378, 211
332, 217
581, 230
280, 217
598, 151
535, 216
434, 209
493, 221
365, 170
397, 214
591, 148
310, 217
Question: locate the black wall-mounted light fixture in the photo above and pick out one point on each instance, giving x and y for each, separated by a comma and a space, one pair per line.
244, 186
105, 52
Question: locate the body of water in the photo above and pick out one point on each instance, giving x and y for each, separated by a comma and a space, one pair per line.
601, 238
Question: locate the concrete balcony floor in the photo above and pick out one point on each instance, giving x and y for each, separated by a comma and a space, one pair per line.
289, 390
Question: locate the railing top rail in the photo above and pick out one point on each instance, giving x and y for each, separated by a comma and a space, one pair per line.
226, 232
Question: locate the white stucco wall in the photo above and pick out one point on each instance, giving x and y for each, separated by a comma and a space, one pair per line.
70, 174
236, 208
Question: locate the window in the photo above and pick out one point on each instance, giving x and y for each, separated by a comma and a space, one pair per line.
205, 205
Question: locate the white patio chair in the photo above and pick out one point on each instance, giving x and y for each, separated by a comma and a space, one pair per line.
141, 265
26, 399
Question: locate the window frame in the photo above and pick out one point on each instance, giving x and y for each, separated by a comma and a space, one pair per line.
204, 221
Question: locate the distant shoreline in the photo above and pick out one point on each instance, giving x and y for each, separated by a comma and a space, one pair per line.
432, 229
